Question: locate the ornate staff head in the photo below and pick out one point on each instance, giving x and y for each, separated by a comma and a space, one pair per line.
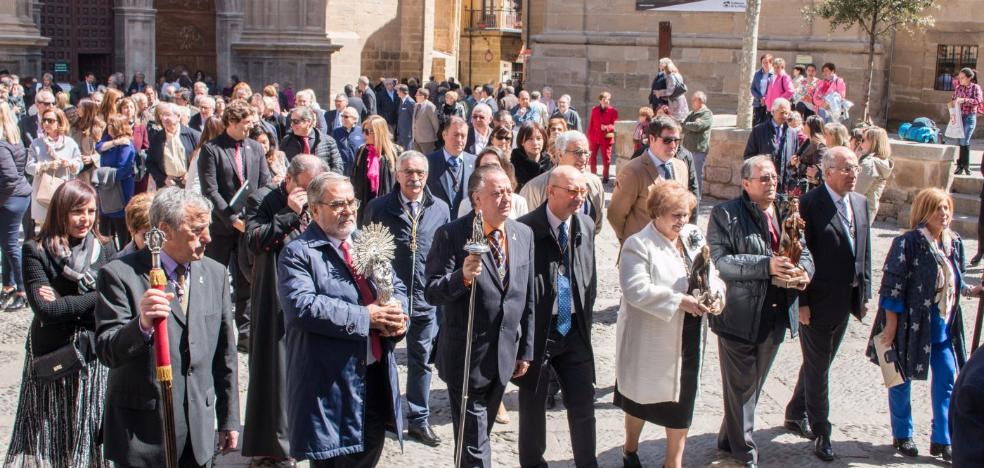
154, 238
478, 244
372, 256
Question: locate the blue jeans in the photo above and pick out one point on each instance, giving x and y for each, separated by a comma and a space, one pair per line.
11, 215
943, 368
969, 123
420, 344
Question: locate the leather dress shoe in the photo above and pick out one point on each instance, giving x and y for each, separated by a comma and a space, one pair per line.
424, 435
940, 450
800, 427
906, 447
631, 460
977, 259
823, 449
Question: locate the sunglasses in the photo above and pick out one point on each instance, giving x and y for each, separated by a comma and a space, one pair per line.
503, 138
49, 120
367, 131
670, 140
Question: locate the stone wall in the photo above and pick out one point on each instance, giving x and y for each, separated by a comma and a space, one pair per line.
20, 38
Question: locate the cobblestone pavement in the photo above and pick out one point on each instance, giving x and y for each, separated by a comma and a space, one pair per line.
859, 403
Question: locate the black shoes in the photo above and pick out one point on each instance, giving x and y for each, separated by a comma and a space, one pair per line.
631, 460
940, 450
977, 259
424, 435
800, 427
16, 302
551, 402
906, 447
823, 449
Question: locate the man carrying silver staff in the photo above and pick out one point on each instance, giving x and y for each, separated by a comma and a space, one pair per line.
342, 388
502, 339
412, 214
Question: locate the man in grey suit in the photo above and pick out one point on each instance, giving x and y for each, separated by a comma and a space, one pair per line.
404, 123
201, 331
425, 124
502, 343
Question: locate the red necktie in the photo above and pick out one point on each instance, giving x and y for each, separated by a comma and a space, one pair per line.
238, 157
365, 297
307, 146
773, 235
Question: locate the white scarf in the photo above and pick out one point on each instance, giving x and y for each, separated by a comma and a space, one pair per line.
945, 290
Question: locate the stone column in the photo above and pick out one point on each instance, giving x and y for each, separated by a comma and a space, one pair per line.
229, 17
20, 38
136, 43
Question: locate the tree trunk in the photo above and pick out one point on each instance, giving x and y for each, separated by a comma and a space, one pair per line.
870, 77
749, 61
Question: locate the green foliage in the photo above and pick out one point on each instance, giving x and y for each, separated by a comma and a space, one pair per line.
874, 17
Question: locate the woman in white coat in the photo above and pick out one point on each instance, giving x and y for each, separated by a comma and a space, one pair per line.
659, 329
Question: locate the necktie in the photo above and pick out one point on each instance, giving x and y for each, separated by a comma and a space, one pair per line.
307, 145
564, 298
238, 158
413, 209
773, 235
180, 277
365, 298
667, 171
495, 243
305, 220
846, 221
454, 164
586, 207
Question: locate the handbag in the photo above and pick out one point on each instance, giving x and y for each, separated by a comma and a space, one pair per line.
65, 361
955, 129
47, 184
679, 90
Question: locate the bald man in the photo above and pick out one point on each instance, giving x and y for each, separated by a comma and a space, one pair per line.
563, 239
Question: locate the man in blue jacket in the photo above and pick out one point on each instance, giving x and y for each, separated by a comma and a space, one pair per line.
413, 215
342, 387
760, 84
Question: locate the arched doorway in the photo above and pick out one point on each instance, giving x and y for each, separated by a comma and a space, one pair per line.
185, 36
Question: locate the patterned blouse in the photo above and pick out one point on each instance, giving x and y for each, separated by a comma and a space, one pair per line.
972, 94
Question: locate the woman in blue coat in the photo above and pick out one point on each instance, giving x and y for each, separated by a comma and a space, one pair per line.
114, 178
919, 315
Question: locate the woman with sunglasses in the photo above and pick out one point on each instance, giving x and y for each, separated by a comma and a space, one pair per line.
374, 169
502, 138
53, 154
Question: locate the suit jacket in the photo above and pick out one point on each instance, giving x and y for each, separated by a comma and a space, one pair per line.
359, 105
203, 360
503, 321
627, 212
323, 122
197, 123
369, 99
829, 293
80, 92
155, 159
762, 141
470, 144
389, 108
546, 262
330, 117
439, 181
219, 181
404, 123
28, 126
425, 124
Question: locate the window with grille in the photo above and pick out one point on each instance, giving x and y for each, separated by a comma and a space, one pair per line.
949, 60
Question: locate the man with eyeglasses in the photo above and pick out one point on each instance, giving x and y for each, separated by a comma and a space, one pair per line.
627, 211
573, 148
349, 138
566, 112
837, 225
304, 138
342, 389
230, 168
775, 137
763, 287
413, 214
479, 130
563, 239
28, 126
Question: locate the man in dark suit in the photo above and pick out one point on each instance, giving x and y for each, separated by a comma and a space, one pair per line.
388, 102
342, 388
206, 109
480, 129
356, 102
225, 165
368, 95
451, 167
30, 126
404, 124
303, 138
502, 343
837, 226
413, 215
563, 239
170, 149
85, 87
200, 328
776, 138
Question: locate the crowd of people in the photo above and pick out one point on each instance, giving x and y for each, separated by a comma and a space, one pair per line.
262, 198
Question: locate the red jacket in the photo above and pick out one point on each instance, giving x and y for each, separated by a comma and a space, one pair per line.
601, 123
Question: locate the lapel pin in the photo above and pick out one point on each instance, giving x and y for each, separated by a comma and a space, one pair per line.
514, 236
201, 280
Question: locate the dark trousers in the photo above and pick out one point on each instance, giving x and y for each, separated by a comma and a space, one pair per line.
478, 420
115, 229
11, 214
810, 397
571, 359
378, 411
225, 251
420, 346
744, 368
759, 114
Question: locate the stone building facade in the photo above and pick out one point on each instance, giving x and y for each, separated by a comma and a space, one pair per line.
583, 47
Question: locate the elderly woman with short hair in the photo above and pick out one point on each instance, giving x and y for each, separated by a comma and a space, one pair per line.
658, 334
675, 92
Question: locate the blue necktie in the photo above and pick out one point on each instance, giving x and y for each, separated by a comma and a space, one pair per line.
564, 284
667, 172
453, 165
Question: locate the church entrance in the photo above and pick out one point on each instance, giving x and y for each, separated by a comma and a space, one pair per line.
185, 36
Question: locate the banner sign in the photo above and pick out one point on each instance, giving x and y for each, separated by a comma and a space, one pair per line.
728, 6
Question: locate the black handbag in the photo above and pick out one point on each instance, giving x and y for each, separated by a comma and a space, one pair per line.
65, 361
679, 90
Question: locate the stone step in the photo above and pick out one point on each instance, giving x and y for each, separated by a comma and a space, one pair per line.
966, 204
970, 185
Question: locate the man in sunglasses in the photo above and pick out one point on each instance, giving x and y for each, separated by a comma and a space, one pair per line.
627, 212
305, 138
43, 101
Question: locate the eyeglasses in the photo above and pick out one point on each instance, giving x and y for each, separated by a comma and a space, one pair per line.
367, 131
573, 192
49, 120
767, 178
579, 153
46, 103
338, 205
505, 138
414, 172
849, 170
297, 121
670, 140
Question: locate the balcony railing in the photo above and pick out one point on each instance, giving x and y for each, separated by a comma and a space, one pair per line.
498, 19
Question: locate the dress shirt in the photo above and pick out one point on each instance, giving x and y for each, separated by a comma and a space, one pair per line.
847, 203
481, 141
555, 230
337, 244
659, 163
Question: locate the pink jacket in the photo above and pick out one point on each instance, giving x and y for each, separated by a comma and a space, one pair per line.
781, 87
825, 87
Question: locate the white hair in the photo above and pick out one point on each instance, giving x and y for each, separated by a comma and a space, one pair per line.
171, 204
781, 102
482, 108
308, 94
409, 155
566, 138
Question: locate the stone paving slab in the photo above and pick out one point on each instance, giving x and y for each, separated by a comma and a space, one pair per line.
859, 402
